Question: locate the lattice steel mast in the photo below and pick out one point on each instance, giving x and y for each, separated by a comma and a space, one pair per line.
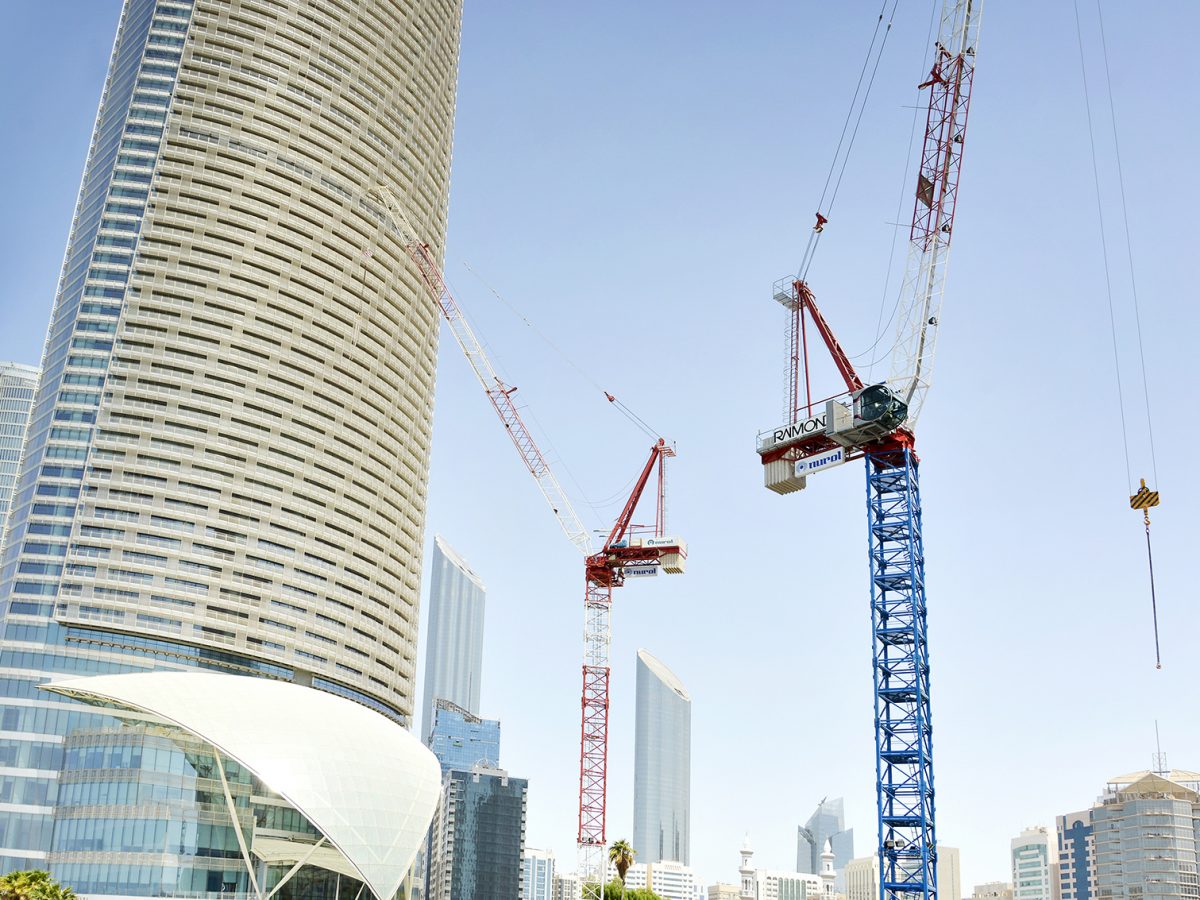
876, 422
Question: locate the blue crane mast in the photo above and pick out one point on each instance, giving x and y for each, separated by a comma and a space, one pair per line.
876, 422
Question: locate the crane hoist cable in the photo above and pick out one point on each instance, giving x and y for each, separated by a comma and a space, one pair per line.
1144, 498
633, 417
814, 237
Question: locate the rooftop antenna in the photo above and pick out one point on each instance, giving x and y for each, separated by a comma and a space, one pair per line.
1160, 758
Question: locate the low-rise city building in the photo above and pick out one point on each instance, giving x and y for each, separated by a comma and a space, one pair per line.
862, 876
1035, 865
669, 879
537, 877
1076, 856
567, 886
992, 890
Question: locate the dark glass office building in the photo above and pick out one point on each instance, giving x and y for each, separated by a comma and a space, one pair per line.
478, 836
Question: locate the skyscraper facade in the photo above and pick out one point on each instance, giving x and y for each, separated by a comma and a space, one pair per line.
662, 764
478, 836
1035, 864
226, 460
827, 823
17, 384
454, 645
1076, 856
1147, 832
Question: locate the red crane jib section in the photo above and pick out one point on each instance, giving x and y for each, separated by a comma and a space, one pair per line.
605, 570
499, 394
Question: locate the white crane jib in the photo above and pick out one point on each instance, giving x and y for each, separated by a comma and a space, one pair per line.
924, 282
499, 393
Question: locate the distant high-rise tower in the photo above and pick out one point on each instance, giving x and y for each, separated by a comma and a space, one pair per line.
1076, 856
454, 645
537, 880
662, 764
227, 458
1035, 865
17, 384
1147, 832
478, 836
827, 823
461, 740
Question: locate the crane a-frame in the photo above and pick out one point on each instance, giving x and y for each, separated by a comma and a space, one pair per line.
628, 551
876, 422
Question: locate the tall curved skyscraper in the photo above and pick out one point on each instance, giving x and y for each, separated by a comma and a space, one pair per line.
227, 456
662, 765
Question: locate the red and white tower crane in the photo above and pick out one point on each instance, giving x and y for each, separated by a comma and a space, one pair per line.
876, 422
629, 550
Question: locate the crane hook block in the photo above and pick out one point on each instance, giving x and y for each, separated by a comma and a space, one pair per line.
1144, 498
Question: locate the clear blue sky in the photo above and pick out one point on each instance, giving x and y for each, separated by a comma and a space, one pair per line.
633, 177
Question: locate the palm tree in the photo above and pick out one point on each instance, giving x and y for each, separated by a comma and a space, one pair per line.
620, 854
33, 884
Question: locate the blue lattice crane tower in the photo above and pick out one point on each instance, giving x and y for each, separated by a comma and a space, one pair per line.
876, 423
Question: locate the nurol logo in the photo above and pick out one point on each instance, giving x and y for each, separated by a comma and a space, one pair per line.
798, 430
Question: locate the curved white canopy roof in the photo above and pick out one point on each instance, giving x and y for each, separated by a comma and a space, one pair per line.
367, 784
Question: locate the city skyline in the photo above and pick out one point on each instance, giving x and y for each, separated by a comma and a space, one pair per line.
780, 127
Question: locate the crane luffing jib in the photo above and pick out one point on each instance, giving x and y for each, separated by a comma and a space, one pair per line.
499, 393
949, 82
887, 412
877, 424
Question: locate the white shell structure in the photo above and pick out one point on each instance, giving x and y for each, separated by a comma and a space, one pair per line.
363, 781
